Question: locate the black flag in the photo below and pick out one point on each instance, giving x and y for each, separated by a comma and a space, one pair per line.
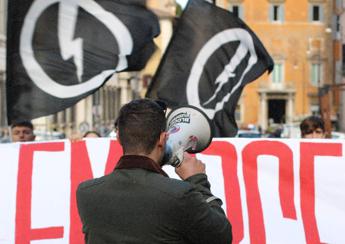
60, 51
211, 57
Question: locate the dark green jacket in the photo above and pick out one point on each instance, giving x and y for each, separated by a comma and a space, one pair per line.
138, 203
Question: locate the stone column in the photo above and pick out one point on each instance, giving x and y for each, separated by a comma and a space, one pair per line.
342, 111
61, 120
69, 122
125, 91
2, 100
84, 114
290, 108
263, 109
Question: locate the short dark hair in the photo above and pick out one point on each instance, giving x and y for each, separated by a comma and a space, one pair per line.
140, 124
310, 124
22, 123
91, 132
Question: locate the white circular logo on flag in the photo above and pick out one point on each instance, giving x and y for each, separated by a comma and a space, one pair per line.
70, 48
246, 46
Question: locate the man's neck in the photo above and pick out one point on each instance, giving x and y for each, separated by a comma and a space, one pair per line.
154, 156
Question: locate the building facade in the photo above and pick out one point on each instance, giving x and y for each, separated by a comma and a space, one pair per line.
303, 40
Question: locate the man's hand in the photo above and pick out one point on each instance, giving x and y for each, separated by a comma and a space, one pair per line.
190, 166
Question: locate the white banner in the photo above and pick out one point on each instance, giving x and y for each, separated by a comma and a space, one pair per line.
274, 191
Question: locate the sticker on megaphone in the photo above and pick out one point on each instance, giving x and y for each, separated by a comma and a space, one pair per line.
189, 129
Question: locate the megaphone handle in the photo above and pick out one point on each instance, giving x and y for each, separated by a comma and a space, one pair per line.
191, 144
178, 157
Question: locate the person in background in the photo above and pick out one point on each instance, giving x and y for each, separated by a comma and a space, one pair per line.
22, 131
91, 134
5, 135
138, 202
312, 127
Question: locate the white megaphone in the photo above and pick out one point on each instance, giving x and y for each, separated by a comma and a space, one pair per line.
189, 129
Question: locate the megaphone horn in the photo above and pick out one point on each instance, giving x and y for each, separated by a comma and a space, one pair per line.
189, 129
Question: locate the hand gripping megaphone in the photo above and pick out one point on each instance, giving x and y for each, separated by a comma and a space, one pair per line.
189, 129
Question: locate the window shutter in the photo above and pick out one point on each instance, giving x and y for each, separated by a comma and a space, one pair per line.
321, 12
310, 15
282, 12
270, 13
241, 11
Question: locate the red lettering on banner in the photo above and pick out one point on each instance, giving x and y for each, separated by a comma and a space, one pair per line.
286, 184
231, 185
115, 152
48, 233
81, 171
308, 151
24, 233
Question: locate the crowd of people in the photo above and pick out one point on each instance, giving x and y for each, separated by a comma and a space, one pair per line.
23, 131
138, 202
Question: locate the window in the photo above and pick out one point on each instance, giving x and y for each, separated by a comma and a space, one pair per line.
237, 10
315, 74
276, 13
315, 12
277, 73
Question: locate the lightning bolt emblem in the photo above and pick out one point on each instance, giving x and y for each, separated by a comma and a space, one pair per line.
221, 80
69, 46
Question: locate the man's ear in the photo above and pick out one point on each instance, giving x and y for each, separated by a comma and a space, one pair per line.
117, 136
162, 139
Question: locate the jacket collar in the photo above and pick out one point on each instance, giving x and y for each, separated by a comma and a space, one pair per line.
141, 162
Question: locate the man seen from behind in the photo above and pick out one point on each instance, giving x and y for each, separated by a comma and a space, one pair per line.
138, 202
